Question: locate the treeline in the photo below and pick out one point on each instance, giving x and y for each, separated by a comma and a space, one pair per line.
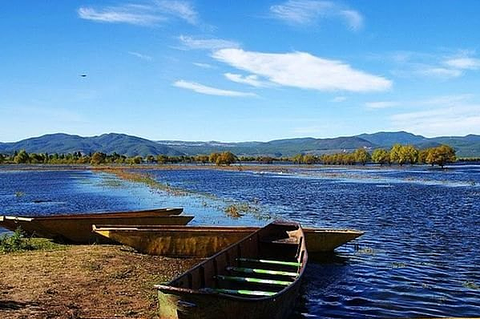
98, 158
398, 154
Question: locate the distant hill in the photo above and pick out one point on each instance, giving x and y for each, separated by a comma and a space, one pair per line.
467, 146
107, 143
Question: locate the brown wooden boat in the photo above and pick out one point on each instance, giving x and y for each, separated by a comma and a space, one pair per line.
257, 277
204, 241
77, 228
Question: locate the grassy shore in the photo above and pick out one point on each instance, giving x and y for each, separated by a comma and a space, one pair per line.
83, 281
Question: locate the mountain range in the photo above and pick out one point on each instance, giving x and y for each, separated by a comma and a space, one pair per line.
466, 146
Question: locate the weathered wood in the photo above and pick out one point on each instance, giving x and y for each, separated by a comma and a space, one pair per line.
77, 228
207, 291
203, 241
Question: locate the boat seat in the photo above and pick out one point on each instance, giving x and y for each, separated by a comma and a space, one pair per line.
270, 262
262, 271
252, 293
256, 280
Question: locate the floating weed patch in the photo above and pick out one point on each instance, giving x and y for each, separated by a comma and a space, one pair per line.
470, 284
366, 251
398, 265
19, 194
233, 211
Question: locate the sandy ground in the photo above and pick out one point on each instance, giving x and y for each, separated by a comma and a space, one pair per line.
99, 281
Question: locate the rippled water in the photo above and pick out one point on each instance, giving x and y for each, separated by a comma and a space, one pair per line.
420, 255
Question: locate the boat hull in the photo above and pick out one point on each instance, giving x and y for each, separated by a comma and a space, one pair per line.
201, 241
180, 305
78, 228
242, 280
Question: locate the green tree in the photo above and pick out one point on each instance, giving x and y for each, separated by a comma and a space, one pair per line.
380, 156
361, 156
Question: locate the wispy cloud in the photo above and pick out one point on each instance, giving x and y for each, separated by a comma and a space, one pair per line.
189, 42
203, 65
148, 14
381, 104
180, 9
338, 99
310, 12
141, 56
439, 66
303, 70
252, 79
203, 89
443, 115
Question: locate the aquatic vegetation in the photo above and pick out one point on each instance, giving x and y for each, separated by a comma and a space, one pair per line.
19, 194
471, 285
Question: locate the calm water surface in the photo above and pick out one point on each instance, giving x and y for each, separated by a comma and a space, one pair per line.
420, 255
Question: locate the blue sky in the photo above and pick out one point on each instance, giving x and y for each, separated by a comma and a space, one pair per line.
240, 70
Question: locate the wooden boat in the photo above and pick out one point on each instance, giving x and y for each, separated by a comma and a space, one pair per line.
257, 277
203, 241
77, 228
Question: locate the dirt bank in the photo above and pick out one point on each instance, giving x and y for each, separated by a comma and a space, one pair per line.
100, 281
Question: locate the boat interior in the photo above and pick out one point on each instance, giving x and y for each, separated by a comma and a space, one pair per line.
261, 265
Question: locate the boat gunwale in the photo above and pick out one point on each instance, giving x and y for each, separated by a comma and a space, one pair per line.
166, 288
150, 228
108, 214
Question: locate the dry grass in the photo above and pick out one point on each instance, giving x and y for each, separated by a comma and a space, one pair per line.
104, 281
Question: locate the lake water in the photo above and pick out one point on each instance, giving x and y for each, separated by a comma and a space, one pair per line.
419, 257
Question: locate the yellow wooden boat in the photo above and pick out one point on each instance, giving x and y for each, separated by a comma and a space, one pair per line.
255, 278
77, 228
204, 241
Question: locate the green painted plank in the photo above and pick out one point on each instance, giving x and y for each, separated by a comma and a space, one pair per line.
245, 292
273, 262
256, 280
263, 271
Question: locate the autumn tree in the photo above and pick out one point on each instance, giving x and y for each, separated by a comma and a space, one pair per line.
98, 158
361, 156
21, 157
440, 155
213, 157
380, 156
226, 158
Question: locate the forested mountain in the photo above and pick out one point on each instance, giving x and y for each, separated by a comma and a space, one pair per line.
467, 146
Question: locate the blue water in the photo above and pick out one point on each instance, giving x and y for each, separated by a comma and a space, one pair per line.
420, 256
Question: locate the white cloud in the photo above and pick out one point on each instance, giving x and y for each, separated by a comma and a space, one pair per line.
206, 44
303, 70
381, 104
252, 79
309, 12
141, 56
463, 63
203, 65
151, 13
203, 89
127, 14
